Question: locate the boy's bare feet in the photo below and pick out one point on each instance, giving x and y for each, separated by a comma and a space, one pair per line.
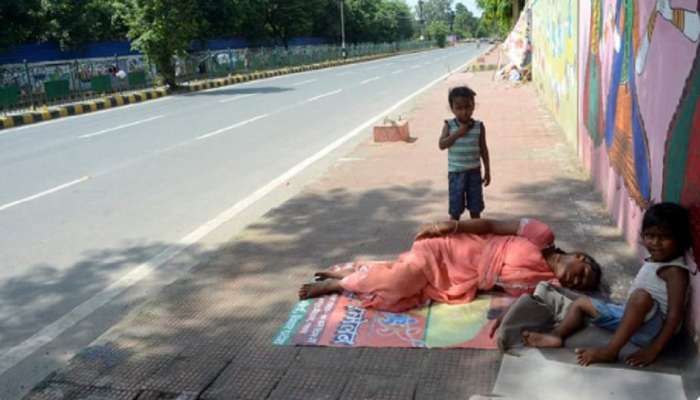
587, 357
333, 274
535, 339
311, 290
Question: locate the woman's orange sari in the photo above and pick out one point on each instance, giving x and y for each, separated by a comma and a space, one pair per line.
452, 269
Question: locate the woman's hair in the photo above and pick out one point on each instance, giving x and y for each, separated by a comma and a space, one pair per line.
595, 267
671, 217
460, 91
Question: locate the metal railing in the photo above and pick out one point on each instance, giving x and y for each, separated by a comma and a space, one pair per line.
27, 86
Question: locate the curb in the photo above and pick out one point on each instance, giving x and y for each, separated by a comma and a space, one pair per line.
481, 67
81, 108
145, 95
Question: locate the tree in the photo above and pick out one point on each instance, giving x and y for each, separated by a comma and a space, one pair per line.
391, 22
437, 31
465, 24
402, 13
377, 21
498, 15
437, 10
18, 18
280, 20
161, 29
73, 23
220, 18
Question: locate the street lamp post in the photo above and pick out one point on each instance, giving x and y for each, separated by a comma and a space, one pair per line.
342, 30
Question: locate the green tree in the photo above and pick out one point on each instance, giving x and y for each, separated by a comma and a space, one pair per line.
393, 21
161, 29
465, 24
482, 30
220, 18
437, 10
18, 20
377, 21
437, 31
279, 20
498, 15
73, 23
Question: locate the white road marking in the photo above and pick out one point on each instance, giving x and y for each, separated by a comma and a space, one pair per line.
18, 353
44, 193
323, 95
89, 114
304, 82
376, 78
116, 128
398, 71
237, 97
234, 126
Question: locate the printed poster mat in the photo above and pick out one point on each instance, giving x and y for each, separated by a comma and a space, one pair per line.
339, 320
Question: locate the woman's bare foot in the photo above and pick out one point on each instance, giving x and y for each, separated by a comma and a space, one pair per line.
333, 274
586, 357
311, 290
535, 339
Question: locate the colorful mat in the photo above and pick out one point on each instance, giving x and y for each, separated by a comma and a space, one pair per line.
341, 321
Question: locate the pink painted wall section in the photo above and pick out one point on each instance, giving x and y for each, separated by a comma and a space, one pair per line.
639, 113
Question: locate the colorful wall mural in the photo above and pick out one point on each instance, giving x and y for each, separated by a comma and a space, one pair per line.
554, 34
638, 95
639, 118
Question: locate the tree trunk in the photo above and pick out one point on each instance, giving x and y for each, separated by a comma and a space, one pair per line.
167, 70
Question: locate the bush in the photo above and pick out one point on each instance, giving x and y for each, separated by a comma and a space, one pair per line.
437, 31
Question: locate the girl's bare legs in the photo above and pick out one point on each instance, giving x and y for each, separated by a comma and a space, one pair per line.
573, 321
315, 289
637, 307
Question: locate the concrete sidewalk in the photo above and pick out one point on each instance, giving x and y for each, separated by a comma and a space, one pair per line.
209, 336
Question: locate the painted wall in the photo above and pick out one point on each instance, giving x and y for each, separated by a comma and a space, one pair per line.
638, 111
639, 119
554, 62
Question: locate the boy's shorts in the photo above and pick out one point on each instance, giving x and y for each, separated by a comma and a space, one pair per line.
466, 192
610, 315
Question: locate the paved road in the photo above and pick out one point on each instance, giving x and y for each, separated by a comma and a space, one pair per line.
92, 204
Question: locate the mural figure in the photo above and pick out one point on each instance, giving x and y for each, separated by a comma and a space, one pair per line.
686, 21
621, 122
592, 90
682, 155
625, 135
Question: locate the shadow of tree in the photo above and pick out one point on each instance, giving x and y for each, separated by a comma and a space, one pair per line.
210, 333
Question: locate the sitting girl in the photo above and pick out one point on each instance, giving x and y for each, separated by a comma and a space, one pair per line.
654, 309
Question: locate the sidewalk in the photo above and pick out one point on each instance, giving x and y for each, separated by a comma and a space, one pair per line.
209, 336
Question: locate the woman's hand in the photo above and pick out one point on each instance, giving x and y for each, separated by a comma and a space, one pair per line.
436, 229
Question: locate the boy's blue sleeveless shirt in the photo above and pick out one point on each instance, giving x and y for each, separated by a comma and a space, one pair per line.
465, 153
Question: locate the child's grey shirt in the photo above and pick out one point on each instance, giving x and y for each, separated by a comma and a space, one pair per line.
648, 279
